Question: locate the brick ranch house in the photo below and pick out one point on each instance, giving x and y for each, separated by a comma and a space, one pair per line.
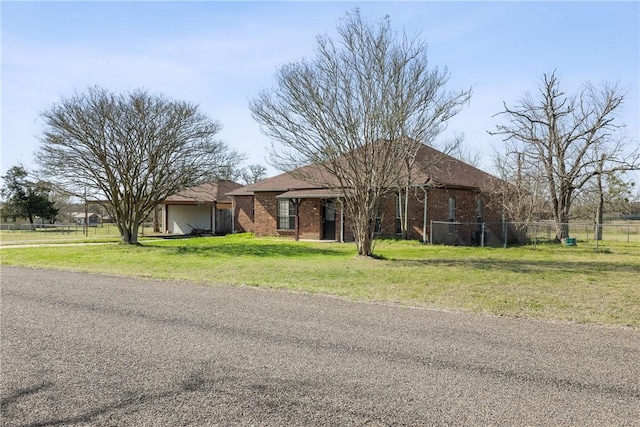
449, 192
205, 207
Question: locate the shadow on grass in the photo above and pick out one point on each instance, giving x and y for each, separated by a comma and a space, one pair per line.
262, 250
524, 266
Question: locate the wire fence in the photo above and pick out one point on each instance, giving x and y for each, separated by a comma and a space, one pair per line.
70, 229
518, 233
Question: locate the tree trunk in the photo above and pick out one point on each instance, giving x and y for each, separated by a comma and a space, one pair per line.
364, 244
128, 233
562, 227
363, 235
599, 213
156, 220
561, 214
402, 211
405, 225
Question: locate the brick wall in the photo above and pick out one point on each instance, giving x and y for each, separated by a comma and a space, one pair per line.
265, 208
243, 219
437, 210
310, 218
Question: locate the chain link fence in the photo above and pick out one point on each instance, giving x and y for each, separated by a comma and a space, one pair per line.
518, 233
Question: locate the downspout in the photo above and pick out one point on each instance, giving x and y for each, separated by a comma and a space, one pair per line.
424, 220
233, 214
213, 218
165, 219
297, 225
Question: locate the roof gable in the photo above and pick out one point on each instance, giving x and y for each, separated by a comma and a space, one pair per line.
441, 169
204, 193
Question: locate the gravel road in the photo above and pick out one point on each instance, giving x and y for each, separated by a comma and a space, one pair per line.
81, 349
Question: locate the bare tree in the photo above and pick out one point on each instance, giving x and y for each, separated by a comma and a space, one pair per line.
520, 194
134, 148
608, 193
253, 173
407, 171
566, 137
355, 113
465, 154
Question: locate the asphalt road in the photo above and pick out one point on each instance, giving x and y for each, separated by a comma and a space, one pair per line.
80, 349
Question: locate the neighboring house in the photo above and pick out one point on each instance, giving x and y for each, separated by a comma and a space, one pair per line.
92, 219
449, 191
205, 208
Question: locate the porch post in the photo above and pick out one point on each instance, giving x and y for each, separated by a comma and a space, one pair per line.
233, 214
424, 221
213, 218
165, 218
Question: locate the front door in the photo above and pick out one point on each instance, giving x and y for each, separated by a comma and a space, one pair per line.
328, 220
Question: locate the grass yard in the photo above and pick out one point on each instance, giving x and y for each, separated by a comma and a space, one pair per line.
548, 281
63, 234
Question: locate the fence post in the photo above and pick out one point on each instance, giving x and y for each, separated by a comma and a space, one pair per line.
431, 232
586, 231
482, 236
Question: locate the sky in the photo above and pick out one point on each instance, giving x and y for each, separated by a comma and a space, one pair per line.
220, 55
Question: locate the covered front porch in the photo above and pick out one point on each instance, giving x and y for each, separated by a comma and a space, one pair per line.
315, 214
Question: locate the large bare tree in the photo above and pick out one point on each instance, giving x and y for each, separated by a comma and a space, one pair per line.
569, 139
522, 193
134, 149
356, 112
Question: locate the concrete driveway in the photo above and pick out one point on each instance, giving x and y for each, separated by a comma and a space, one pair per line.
80, 349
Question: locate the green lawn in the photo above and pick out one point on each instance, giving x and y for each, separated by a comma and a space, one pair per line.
548, 281
62, 234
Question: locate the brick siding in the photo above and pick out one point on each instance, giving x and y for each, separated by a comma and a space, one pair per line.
310, 214
243, 215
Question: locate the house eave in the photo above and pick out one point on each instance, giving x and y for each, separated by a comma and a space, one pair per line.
320, 193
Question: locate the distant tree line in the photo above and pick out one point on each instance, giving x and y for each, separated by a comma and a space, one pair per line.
26, 198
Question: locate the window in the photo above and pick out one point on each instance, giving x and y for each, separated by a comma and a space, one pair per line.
286, 214
452, 209
377, 225
400, 210
452, 214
